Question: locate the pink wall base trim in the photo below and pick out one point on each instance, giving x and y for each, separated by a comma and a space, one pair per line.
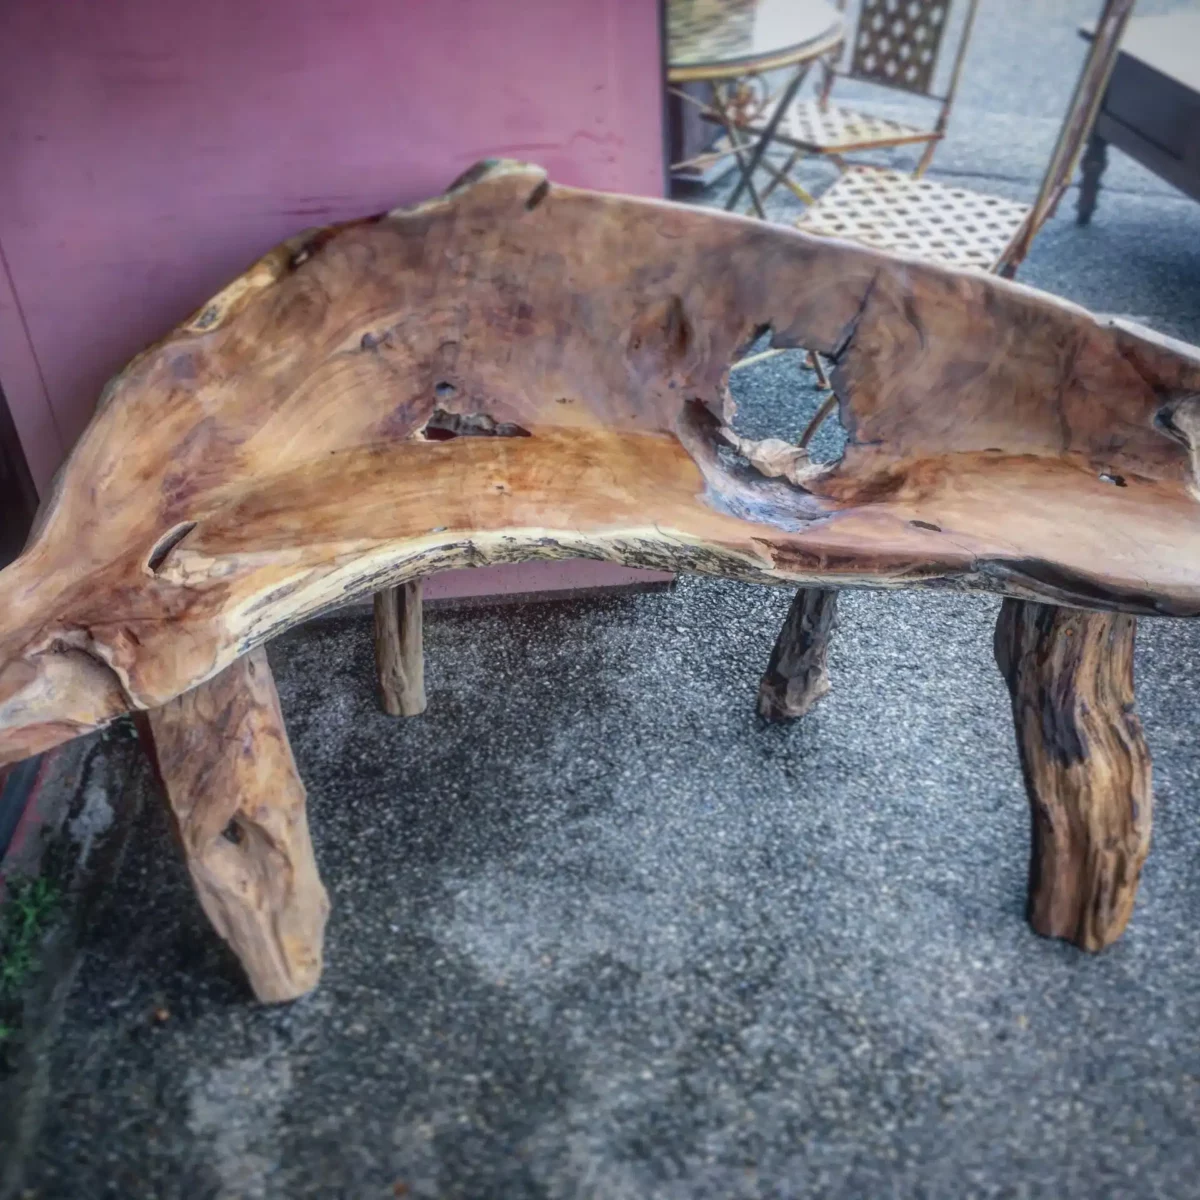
567, 575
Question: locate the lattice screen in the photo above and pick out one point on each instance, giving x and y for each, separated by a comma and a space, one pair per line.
894, 211
897, 41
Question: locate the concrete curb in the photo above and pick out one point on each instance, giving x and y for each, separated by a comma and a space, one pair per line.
75, 830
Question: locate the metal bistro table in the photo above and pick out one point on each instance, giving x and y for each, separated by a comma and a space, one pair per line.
726, 43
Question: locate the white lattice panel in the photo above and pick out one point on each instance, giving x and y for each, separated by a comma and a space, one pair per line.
893, 211
834, 128
896, 42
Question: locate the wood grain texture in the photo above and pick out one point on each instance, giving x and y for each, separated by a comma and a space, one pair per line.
238, 806
273, 457
1086, 765
399, 649
797, 675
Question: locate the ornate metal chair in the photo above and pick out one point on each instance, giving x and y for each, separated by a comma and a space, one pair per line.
912, 215
896, 44
961, 227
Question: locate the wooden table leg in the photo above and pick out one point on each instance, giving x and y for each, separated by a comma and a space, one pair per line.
237, 803
796, 676
399, 649
1091, 167
1086, 765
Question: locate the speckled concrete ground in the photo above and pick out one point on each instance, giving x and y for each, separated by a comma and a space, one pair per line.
598, 933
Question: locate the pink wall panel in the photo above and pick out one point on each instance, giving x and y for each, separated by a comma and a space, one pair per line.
150, 149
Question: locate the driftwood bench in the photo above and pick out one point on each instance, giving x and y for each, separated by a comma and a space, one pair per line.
517, 370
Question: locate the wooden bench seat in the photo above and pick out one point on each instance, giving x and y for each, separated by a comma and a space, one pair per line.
516, 371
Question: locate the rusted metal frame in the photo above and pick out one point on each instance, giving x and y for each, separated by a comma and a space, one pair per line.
768, 134
729, 125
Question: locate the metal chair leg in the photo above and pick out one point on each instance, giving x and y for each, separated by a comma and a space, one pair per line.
814, 361
782, 176
818, 419
768, 136
747, 171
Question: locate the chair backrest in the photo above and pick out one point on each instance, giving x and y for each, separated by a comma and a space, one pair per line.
1076, 126
897, 44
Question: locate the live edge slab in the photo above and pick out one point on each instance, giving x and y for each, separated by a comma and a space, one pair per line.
517, 370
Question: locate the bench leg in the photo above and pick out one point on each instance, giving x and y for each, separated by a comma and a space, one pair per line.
1095, 159
237, 803
399, 650
1086, 765
796, 676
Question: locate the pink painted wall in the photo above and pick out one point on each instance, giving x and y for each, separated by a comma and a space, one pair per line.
151, 149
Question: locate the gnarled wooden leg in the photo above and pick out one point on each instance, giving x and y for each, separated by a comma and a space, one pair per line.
237, 803
1086, 766
399, 653
796, 676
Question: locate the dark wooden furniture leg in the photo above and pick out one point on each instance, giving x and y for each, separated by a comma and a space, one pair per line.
237, 803
399, 650
796, 676
1086, 766
1095, 159
1151, 104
